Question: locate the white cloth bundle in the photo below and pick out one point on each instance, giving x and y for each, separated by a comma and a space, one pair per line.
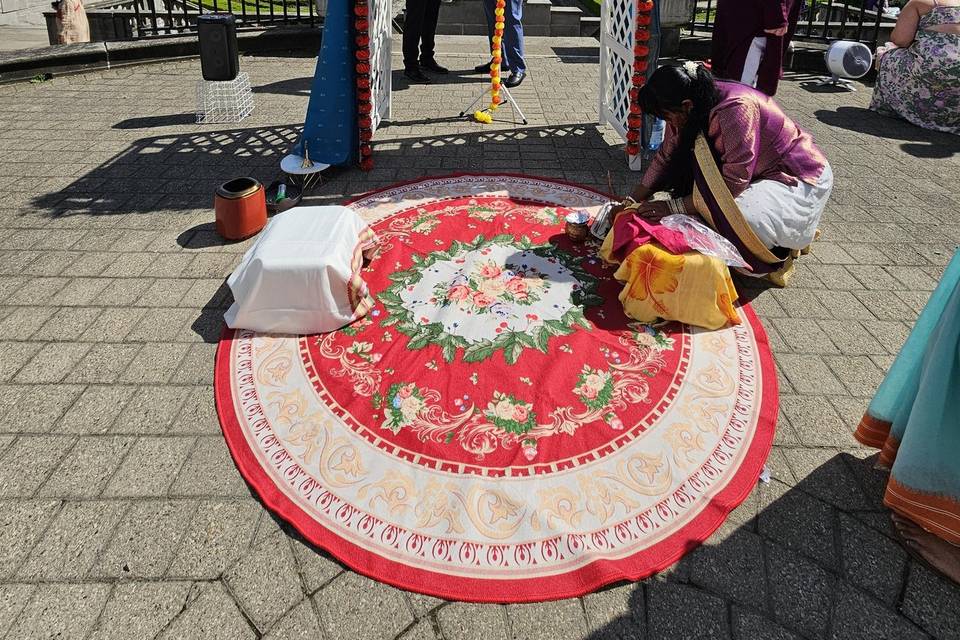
302, 275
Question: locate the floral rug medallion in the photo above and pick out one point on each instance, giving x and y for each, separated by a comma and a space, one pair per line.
496, 429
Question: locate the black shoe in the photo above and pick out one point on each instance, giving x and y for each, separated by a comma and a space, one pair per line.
432, 66
515, 79
485, 68
415, 76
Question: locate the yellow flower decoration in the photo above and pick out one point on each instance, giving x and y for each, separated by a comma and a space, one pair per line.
485, 116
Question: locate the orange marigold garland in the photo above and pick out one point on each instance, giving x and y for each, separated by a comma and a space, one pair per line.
363, 88
640, 53
486, 115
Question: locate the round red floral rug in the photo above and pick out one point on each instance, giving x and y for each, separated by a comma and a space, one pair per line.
496, 429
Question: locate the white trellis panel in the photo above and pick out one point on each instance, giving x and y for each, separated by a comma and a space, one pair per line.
381, 74
617, 25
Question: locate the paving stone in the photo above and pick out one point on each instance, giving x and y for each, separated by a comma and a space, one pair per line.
859, 374
209, 471
871, 560
317, 568
38, 291
23, 523
345, 605
704, 615
129, 265
265, 581
150, 467
15, 356
103, 363
545, 620
67, 323
804, 335
155, 364
210, 615
151, 410
931, 602
28, 462
616, 614
198, 414
422, 630
801, 592
73, 541
730, 565
845, 305
162, 325
62, 611
874, 276
216, 537
166, 292
85, 470
751, 626
858, 617
146, 539
801, 303
300, 623
23, 322
38, 407
810, 374
81, 291
91, 263
799, 522
885, 307
826, 476
53, 362
468, 621
95, 410
13, 598
122, 292
113, 324
421, 604
852, 338
816, 422
140, 609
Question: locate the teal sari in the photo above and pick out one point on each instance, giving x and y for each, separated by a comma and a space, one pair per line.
914, 417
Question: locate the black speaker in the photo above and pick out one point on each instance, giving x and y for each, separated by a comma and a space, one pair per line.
219, 57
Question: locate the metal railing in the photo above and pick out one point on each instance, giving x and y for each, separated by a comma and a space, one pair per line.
157, 18
820, 20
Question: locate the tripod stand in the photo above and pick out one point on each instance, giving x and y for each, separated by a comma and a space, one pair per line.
514, 107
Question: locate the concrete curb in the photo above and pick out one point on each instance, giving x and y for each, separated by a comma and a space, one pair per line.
76, 58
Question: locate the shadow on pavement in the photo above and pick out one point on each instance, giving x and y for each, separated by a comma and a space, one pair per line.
150, 122
920, 143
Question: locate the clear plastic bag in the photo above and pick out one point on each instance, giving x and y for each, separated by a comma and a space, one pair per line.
705, 240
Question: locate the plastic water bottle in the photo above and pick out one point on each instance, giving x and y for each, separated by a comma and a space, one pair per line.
656, 135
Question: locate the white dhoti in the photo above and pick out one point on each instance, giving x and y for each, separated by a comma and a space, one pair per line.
302, 275
751, 66
785, 216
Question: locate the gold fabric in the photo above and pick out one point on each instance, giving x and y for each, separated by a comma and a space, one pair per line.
691, 288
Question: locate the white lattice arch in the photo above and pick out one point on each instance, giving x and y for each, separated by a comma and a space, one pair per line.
617, 37
381, 72
617, 33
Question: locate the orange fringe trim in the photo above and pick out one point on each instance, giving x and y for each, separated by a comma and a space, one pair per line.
875, 433
939, 515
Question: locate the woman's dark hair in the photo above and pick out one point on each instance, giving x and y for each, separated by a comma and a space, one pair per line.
665, 92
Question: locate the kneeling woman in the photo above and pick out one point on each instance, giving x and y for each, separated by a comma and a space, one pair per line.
731, 155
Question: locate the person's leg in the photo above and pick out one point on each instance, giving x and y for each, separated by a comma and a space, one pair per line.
428, 34
513, 36
751, 66
412, 28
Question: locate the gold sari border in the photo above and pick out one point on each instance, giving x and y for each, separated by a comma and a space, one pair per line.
727, 204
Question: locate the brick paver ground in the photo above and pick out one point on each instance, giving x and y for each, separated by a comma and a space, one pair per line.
121, 513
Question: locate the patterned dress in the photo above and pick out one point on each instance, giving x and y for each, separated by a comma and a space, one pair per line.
921, 83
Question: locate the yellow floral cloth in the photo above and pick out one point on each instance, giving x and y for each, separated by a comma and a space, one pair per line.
692, 288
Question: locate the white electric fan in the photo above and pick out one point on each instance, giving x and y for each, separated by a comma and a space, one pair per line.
847, 60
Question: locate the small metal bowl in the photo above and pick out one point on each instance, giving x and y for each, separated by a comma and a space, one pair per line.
294, 195
576, 225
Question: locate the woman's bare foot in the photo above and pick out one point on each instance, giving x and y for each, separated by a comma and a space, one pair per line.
937, 552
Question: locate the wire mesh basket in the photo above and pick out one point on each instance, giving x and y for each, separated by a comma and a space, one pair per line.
219, 102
